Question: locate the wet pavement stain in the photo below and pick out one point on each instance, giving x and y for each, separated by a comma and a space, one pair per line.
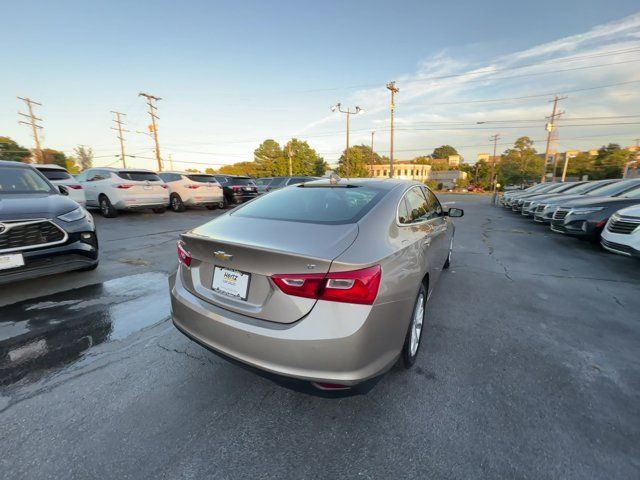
54, 331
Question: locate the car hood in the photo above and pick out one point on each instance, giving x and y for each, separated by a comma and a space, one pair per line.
600, 202
558, 199
42, 205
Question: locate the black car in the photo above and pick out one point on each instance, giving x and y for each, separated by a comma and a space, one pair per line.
237, 189
277, 183
587, 217
42, 231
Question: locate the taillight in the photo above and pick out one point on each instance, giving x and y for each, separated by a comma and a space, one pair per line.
75, 187
357, 286
164, 186
183, 255
236, 188
192, 187
123, 186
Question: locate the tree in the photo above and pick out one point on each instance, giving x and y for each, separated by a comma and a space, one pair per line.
12, 152
50, 155
439, 165
269, 159
444, 151
422, 160
84, 156
192, 170
358, 163
210, 171
304, 159
71, 165
519, 164
610, 162
580, 165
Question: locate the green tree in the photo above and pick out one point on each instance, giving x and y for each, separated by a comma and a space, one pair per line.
210, 171
422, 160
269, 159
304, 159
519, 164
50, 155
444, 151
11, 151
192, 170
84, 156
358, 162
580, 165
610, 162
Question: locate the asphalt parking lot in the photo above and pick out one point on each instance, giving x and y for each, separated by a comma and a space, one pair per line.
529, 369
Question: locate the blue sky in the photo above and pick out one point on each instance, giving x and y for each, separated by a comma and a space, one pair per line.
234, 73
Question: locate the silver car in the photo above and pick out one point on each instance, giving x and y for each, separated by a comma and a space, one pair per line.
325, 281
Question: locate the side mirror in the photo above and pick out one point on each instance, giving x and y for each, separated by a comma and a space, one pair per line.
455, 212
63, 190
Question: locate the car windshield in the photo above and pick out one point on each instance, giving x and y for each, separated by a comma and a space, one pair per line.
55, 173
614, 189
22, 180
277, 182
202, 178
140, 176
585, 187
633, 193
324, 205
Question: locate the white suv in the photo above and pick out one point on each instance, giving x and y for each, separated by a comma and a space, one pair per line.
113, 189
191, 189
60, 176
622, 232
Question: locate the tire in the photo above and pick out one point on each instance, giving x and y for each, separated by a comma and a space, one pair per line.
447, 263
225, 202
414, 334
106, 208
176, 203
159, 210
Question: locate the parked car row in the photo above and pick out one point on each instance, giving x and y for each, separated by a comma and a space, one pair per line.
605, 211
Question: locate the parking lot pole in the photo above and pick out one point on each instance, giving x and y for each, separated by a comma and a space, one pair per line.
550, 128
392, 86
154, 125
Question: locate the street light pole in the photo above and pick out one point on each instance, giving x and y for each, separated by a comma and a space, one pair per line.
371, 160
348, 113
392, 86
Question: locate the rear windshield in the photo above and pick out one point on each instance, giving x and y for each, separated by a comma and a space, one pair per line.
22, 180
569, 187
324, 205
55, 174
139, 176
240, 181
202, 178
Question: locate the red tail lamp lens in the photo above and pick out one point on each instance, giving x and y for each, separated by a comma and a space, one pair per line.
356, 286
183, 255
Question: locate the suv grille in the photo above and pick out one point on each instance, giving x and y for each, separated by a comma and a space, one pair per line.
617, 247
29, 234
624, 225
560, 214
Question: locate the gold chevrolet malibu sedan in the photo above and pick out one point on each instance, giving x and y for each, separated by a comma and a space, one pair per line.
325, 281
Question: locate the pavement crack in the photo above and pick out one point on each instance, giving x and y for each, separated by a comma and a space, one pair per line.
186, 354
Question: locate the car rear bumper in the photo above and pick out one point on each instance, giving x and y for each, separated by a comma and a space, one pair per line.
73, 255
140, 203
204, 200
335, 343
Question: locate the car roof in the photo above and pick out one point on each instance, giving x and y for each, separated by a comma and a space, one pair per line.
113, 169
7, 163
383, 184
187, 173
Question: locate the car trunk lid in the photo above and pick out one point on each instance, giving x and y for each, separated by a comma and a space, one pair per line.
255, 250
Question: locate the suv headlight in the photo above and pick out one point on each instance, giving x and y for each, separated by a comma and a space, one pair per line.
73, 215
586, 210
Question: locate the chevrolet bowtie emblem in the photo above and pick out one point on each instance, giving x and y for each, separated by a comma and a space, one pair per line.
2, 227
221, 255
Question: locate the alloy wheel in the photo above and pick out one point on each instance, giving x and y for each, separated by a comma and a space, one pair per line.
416, 324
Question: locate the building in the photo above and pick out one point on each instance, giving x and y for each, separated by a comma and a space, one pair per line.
448, 178
403, 169
454, 160
487, 157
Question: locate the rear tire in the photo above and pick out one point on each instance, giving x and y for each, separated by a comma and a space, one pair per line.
414, 334
225, 202
447, 263
106, 208
176, 203
159, 210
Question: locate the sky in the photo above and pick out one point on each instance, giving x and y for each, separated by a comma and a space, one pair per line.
233, 73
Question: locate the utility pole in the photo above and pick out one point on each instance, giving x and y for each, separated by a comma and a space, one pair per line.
494, 138
550, 130
290, 160
392, 86
118, 121
371, 160
154, 126
34, 126
348, 113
